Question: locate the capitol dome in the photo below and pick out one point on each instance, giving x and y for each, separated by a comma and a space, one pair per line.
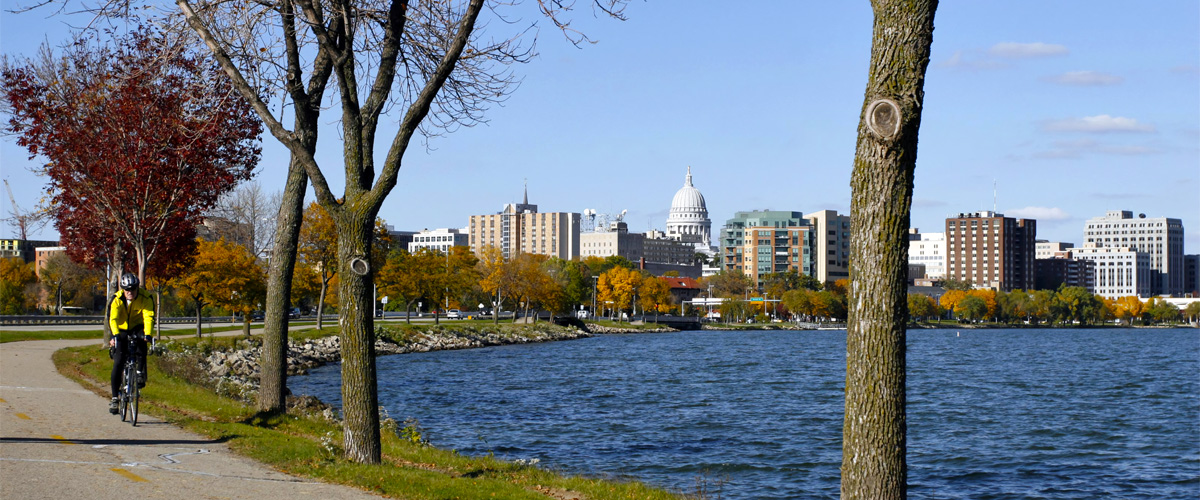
688, 199
688, 220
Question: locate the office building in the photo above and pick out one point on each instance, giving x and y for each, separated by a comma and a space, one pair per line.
1065, 269
1051, 249
439, 240
991, 250
520, 228
1159, 237
1119, 271
928, 250
764, 242
831, 236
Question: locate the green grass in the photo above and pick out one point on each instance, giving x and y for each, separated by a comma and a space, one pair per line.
309, 445
98, 333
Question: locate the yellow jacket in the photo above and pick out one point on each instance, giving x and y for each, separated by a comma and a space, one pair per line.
139, 313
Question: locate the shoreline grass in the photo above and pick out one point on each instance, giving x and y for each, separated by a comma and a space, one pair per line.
97, 333
308, 444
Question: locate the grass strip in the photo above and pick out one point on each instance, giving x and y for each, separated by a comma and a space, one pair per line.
21, 335
308, 444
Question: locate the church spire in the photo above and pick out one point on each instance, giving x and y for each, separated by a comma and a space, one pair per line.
687, 182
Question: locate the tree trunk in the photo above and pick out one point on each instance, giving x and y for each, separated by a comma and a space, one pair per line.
272, 392
246, 323
874, 431
199, 323
321, 303
359, 398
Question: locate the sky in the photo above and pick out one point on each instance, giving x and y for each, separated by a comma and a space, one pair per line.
1052, 110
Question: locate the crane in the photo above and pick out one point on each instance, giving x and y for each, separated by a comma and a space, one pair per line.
27, 222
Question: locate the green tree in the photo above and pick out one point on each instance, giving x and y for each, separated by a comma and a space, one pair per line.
1164, 312
961, 285
68, 282
921, 306
798, 302
735, 310
874, 436
1042, 306
1192, 311
729, 283
971, 308
1077, 305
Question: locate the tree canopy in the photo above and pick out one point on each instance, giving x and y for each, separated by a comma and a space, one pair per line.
141, 139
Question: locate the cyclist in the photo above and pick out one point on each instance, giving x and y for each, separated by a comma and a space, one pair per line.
130, 313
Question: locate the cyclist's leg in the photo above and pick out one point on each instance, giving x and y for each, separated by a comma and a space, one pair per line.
118, 363
140, 343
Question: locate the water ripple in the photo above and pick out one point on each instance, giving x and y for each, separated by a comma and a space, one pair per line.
1063, 414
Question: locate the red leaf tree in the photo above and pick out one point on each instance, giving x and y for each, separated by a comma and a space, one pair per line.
141, 139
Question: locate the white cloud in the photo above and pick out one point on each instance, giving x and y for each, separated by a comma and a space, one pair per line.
1097, 124
1079, 148
1085, 79
962, 60
1025, 50
1038, 213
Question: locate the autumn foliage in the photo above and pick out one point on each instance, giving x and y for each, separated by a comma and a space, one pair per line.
140, 140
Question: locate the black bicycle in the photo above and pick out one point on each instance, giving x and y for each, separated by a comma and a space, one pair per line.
131, 380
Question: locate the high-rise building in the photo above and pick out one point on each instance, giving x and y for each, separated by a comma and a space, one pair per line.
831, 233
991, 250
1191, 275
1119, 271
759, 243
520, 228
928, 250
1160, 237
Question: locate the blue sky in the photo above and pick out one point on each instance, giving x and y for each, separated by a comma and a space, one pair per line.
1070, 109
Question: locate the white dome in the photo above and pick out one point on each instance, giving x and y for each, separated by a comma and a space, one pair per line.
688, 199
688, 220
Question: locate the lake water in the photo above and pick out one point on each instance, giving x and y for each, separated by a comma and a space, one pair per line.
1063, 414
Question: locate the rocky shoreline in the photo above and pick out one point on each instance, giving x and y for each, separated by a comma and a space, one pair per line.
239, 369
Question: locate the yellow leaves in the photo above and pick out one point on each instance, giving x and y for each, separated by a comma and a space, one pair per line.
224, 274
616, 287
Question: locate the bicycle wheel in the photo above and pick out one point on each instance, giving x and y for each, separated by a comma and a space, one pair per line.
128, 385
135, 394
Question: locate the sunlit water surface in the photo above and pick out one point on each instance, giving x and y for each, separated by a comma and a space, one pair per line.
1063, 414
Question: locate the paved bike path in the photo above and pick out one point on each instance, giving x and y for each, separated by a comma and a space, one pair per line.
58, 441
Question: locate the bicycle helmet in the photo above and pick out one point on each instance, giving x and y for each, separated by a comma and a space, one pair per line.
129, 281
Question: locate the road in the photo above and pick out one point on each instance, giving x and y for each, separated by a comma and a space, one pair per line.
58, 441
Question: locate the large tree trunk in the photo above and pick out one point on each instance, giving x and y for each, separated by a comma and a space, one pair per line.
874, 430
359, 398
272, 392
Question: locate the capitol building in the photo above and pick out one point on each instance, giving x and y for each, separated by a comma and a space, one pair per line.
688, 220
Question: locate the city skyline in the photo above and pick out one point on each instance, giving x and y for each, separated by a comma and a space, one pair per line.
1036, 111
